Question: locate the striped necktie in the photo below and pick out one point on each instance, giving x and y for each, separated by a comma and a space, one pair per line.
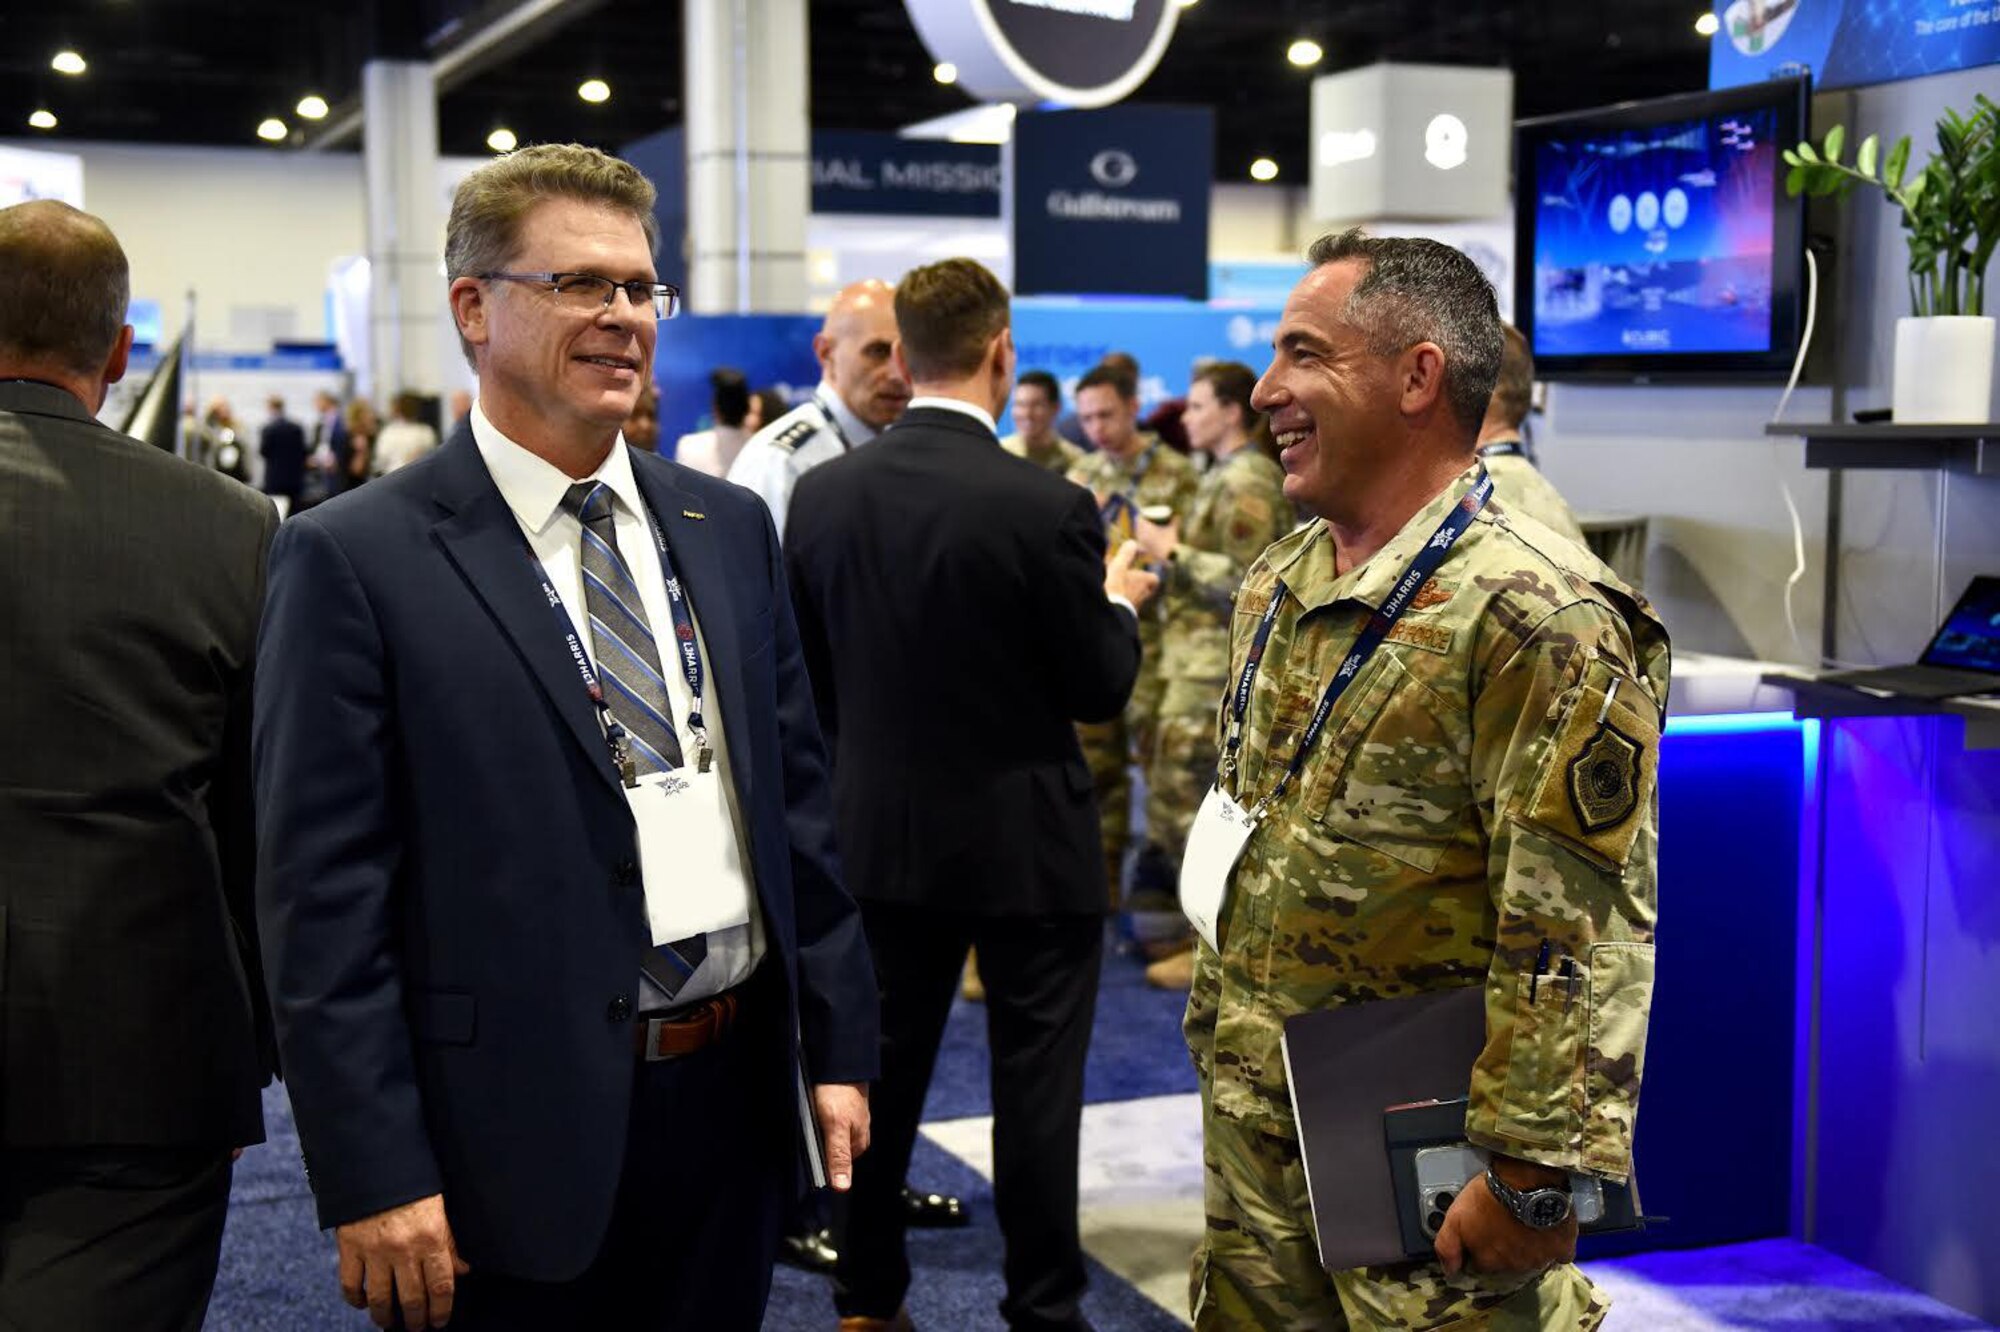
628, 665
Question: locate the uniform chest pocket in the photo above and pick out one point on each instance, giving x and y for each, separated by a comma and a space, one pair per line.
1392, 777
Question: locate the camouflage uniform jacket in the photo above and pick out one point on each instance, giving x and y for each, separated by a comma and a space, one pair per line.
1239, 508
1522, 489
1486, 783
1062, 454
1169, 478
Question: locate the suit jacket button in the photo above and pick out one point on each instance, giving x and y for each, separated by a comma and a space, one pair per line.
620, 1009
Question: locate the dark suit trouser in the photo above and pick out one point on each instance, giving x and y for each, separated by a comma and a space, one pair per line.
122, 1239
710, 1171
1040, 974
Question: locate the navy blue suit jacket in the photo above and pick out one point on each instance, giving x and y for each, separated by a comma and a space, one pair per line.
447, 872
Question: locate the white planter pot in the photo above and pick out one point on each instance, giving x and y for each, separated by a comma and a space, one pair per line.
1944, 370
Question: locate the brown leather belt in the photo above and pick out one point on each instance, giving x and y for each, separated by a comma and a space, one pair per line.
687, 1032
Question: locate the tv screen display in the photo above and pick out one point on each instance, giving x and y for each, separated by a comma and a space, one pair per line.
1655, 239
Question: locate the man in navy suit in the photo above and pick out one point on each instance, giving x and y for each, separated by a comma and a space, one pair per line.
555, 926
282, 444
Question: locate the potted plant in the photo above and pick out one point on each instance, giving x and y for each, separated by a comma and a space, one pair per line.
1951, 214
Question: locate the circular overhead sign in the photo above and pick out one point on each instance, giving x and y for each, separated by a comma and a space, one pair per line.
1080, 53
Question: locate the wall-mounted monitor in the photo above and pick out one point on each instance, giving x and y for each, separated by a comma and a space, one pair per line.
1654, 240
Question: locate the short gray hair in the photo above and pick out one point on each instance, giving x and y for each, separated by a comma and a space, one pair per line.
1418, 290
64, 287
491, 204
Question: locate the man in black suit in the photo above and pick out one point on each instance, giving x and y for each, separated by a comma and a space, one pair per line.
546, 868
133, 1030
958, 619
282, 444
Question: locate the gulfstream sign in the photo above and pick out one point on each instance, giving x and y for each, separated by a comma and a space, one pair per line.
1080, 53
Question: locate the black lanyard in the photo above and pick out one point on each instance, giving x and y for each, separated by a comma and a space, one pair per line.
686, 648
1417, 573
832, 421
1505, 448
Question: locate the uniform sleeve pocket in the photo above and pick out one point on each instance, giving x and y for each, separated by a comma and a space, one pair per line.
444, 1017
1595, 789
1621, 986
1543, 1096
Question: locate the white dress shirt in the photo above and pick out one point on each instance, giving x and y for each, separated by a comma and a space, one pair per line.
534, 488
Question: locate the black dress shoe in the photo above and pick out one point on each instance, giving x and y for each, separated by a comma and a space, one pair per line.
810, 1249
933, 1211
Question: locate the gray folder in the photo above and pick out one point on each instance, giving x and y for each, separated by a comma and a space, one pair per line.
1346, 1066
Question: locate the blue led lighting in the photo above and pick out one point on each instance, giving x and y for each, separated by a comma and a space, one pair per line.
1736, 723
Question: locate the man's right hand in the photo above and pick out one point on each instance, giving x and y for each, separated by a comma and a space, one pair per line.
1122, 580
402, 1256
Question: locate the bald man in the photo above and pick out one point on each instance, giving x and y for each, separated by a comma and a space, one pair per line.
860, 393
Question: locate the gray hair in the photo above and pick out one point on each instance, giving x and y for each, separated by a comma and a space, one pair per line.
492, 203
64, 287
1418, 290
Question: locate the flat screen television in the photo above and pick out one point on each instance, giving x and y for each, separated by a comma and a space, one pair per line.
1654, 240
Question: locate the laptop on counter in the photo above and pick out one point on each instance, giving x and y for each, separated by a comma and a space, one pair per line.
1963, 656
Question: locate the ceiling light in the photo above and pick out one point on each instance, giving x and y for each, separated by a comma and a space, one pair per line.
1305, 52
1708, 24
273, 129
502, 140
43, 120
946, 72
312, 107
594, 90
68, 62
1263, 169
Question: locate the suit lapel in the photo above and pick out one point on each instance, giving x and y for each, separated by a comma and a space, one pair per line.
694, 542
482, 539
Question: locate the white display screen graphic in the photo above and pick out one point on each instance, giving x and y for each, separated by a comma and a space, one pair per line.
1120, 10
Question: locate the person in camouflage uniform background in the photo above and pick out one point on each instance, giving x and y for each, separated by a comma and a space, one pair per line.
1484, 787
1129, 471
1517, 483
1037, 403
1239, 508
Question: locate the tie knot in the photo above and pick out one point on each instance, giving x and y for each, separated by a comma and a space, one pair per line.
590, 501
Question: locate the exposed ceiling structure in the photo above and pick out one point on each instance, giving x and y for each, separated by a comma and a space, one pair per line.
209, 71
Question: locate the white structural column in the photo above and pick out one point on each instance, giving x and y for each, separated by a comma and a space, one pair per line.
749, 168
409, 319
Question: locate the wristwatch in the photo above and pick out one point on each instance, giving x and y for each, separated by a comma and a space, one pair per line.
1539, 1209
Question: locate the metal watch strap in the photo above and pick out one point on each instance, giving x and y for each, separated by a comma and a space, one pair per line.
1522, 1203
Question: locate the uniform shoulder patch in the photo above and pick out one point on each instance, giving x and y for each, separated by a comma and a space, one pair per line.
792, 437
1604, 779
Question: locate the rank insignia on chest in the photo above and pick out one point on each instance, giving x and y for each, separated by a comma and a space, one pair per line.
1604, 779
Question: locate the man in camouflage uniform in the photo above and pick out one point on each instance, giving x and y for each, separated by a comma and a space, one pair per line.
1239, 508
1037, 403
1517, 482
1483, 790
1129, 471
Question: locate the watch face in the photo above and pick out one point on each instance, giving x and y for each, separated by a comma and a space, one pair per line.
1547, 1208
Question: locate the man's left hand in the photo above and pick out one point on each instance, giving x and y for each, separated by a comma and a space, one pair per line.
843, 1127
1479, 1233
1157, 539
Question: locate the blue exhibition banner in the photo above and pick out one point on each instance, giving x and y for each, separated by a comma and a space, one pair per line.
1849, 43
1113, 201
857, 171
1067, 338
772, 351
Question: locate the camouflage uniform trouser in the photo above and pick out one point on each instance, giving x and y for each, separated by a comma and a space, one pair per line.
1110, 749
1177, 779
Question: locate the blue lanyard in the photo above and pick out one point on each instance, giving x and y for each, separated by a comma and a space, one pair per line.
687, 649
1379, 624
832, 421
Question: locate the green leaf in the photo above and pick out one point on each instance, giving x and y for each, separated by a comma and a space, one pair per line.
1836, 138
1914, 193
1864, 161
1806, 151
1899, 161
1790, 158
1795, 179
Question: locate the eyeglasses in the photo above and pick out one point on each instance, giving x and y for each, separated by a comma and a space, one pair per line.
588, 293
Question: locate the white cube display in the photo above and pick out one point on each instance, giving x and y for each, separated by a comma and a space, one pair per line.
1411, 141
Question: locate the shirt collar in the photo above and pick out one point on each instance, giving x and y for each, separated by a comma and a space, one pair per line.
534, 487
971, 409
852, 428
1309, 573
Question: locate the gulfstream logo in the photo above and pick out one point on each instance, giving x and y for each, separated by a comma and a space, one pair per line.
1095, 207
1111, 9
